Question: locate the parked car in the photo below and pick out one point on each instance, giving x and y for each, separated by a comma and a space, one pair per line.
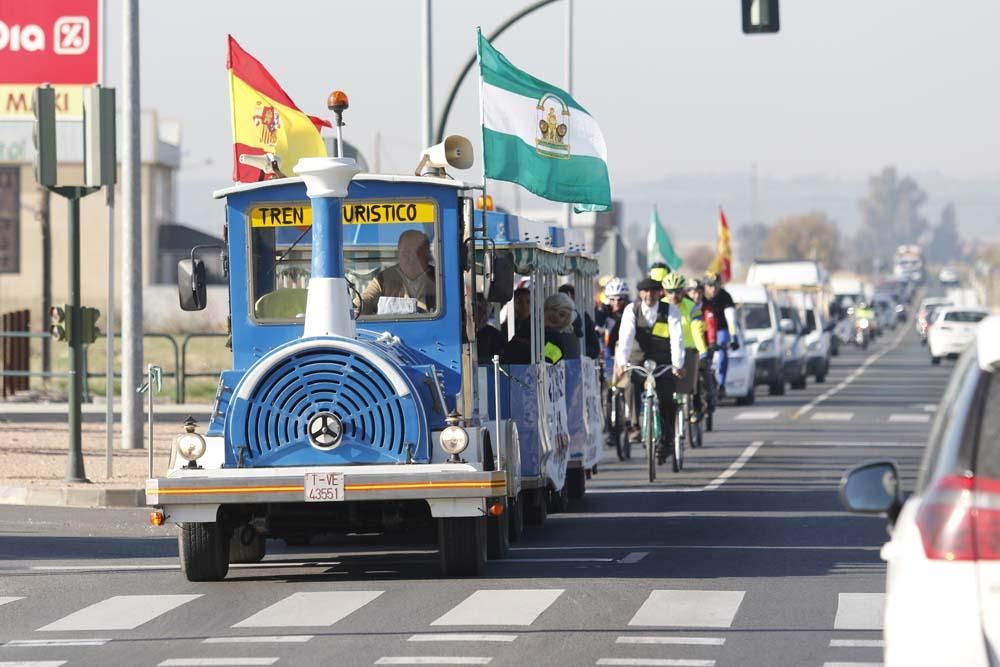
793, 332
954, 328
942, 603
759, 315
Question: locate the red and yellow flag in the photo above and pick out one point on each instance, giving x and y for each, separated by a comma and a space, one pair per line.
723, 253
265, 119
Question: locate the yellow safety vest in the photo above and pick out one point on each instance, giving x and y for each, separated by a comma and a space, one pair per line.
553, 353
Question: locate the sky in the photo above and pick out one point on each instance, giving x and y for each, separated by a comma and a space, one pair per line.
845, 88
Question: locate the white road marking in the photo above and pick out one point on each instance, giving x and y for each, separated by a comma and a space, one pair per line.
833, 416
757, 415
859, 611
857, 643
33, 663
852, 664
846, 443
633, 557
928, 407
656, 662
217, 662
735, 466
460, 637
259, 639
126, 567
909, 419
309, 609
121, 612
850, 378
31, 643
433, 660
501, 607
680, 641
555, 560
5, 600
689, 609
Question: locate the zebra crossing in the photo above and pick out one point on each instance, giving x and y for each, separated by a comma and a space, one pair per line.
841, 416
674, 627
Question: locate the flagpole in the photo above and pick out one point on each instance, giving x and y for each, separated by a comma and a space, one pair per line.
568, 208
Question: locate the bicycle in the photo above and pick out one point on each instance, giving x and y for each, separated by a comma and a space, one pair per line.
618, 422
703, 409
682, 418
649, 417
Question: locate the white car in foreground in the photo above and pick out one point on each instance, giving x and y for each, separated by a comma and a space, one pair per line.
942, 603
740, 375
953, 329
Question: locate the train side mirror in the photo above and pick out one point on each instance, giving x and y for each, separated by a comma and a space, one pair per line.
191, 284
501, 289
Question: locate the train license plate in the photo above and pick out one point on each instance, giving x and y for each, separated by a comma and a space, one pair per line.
324, 487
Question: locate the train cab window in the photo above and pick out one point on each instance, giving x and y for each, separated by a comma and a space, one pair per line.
393, 267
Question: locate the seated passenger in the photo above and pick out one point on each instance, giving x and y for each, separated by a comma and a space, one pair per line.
584, 327
412, 278
489, 340
560, 340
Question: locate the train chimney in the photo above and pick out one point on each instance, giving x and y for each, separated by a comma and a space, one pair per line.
329, 311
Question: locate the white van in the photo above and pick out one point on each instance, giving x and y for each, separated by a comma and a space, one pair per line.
759, 317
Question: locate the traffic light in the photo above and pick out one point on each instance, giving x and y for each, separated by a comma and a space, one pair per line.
760, 16
59, 322
98, 136
88, 325
43, 106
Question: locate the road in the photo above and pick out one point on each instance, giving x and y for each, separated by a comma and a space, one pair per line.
746, 558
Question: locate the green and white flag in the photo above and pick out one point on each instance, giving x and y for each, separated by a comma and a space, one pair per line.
658, 245
538, 136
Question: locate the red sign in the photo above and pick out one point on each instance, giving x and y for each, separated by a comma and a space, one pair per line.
55, 41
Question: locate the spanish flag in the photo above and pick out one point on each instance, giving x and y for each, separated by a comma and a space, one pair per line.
722, 263
265, 119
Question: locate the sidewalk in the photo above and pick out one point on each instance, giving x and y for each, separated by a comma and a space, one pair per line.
33, 457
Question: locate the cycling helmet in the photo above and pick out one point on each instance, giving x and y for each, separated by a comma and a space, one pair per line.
616, 287
712, 278
673, 281
659, 271
695, 283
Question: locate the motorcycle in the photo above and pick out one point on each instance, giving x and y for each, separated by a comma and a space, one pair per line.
862, 332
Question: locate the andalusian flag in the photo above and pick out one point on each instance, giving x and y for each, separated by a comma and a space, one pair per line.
658, 245
539, 137
722, 263
265, 119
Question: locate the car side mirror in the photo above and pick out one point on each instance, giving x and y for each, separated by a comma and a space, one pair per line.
501, 289
872, 488
749, 340
191, 284
786, 326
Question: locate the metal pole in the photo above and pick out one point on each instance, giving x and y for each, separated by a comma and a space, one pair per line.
426, 83
74, 462
46, 233
568, 208
109, 366
149, 386
131, 410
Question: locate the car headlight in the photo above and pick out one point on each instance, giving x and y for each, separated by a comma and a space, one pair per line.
864, 324
813, 346
190, 446
454, 440
765, 346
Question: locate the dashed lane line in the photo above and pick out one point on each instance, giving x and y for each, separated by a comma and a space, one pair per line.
433, 660
259, 639
757, 415
735, 466
673, 641
856, 643
832, 416
854, 375
461, 637
909, 419
655, 662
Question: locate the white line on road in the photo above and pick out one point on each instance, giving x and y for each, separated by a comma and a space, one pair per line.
656, 662
30, 643
850, 378
909, 419
460, 637
556, 560
833, 416
121, 612
309, 609
433, 660
928, 407
33, 663
5, 600
259, 639
217, 662
680, 641
689, 609
633, 557
857, 643
852, 664
735, 466
844, 443
501, 607
859, 611
757, 415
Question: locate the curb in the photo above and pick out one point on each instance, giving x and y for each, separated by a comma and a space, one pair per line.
72, 496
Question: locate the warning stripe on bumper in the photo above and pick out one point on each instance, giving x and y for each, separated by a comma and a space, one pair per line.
399, 486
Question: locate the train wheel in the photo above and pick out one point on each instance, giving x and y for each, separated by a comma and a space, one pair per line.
498, 533
576, 483
462, 542
204, 551
246, 553
536, 507
515, 506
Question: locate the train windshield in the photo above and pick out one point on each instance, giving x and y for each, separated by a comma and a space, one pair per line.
393, 269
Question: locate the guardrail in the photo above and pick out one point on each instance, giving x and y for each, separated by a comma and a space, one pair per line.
179, 373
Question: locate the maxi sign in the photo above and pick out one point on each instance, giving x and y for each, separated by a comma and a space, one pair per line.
55, 42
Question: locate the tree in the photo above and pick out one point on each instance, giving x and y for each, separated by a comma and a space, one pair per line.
697, 259
945, 245
750, 242
809, 236
890, 216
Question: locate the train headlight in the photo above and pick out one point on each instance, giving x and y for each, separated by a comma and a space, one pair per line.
454, 440
190, 446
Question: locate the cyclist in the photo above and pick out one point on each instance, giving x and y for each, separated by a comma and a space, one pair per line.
616, 291
693, 326
696, 292
718, 300
651, 330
